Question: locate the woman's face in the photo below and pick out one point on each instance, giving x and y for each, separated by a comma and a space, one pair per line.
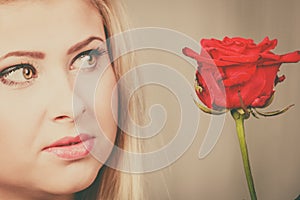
42, 46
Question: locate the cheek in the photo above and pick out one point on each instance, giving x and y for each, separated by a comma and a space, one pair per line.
19, 125
20, 120
106, 109
106, 104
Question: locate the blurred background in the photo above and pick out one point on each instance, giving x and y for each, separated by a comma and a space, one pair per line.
273, 143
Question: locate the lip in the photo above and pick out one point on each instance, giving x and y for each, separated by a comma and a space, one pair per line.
71, 148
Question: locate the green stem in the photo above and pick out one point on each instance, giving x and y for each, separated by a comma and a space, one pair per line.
239, 121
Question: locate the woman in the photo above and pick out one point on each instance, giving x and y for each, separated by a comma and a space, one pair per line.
46, 151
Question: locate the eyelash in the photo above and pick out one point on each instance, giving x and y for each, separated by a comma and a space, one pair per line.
7, 71
92, 52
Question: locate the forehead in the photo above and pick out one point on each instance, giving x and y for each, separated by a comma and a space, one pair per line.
37, 24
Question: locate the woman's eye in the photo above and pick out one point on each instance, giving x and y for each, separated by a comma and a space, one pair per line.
18, 74
87, 59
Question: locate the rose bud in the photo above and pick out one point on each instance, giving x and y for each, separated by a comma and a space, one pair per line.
237, 73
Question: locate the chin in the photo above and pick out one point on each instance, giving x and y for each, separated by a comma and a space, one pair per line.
80, 184
71, 187
74, 178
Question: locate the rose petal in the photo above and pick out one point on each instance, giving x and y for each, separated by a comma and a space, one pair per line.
270, 73
241, 58
292, 57
248, 91
261, 101
236, 75
267, 44
212, 90
269, 56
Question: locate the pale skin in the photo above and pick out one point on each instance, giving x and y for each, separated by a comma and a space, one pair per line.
50, 39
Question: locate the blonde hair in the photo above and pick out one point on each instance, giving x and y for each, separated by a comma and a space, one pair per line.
110, 183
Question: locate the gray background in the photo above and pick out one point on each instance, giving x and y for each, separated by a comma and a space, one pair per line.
273, 143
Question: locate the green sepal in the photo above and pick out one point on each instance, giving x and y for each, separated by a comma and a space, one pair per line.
208, 110
273, 113
198, 88
269, 101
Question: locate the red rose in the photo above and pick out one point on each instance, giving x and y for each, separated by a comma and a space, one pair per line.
239, 69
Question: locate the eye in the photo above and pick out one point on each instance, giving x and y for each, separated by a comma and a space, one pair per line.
87, 60
18, 74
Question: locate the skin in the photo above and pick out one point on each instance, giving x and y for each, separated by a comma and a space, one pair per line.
40, 112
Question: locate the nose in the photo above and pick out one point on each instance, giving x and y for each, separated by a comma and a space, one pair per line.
68, 111
64, 105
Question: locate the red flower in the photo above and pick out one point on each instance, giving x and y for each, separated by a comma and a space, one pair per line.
236, 72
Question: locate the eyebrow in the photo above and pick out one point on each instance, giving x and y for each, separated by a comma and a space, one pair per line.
32, 54
82, 44
41, 55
